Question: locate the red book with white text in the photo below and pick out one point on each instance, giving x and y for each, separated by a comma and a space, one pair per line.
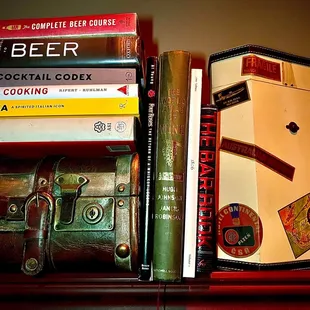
205, 246
90, 25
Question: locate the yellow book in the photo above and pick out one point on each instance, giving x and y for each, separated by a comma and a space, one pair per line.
71, 106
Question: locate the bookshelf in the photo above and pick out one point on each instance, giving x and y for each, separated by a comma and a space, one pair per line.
223, 290
202, 27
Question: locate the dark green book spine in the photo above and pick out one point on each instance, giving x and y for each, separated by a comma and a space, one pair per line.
172, 125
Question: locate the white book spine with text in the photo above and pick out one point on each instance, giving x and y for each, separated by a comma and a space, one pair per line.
61, 129
191, 200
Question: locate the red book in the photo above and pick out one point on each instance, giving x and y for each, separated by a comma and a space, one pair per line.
104, 24
205, 255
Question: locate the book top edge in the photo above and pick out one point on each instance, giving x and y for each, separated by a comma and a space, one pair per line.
69, 17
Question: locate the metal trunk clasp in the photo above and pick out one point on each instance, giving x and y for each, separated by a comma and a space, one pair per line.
70, 185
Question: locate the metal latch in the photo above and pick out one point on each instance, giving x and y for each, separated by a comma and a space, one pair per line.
70, 185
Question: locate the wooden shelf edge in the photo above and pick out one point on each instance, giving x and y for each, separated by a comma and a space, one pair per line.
219, 283
262, 276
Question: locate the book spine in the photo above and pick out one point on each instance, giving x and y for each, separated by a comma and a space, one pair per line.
67, 129
68, 92
149, 120
13, 77
206, 191
106, 52
173, 97
104, 24
191, 198
73, 106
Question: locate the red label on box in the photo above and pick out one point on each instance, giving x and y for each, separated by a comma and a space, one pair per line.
260, 155
261, 67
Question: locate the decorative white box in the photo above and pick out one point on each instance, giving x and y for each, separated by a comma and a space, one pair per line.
263, 158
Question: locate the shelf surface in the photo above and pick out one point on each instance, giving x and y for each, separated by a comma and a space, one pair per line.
258, 283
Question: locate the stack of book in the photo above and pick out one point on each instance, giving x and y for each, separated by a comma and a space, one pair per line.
71, 85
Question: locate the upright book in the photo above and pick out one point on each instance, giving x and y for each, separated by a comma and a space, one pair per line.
172, 124
205, 243
149, 122
91, 25
190, 227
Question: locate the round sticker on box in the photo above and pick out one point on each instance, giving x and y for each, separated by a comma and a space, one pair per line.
239, 230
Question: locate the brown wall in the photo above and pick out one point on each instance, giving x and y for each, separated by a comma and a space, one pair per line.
200, 26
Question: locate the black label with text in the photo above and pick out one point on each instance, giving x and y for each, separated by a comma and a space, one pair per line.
231, 96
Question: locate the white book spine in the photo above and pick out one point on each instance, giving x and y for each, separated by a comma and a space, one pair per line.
191, 200
67, 129
69, 91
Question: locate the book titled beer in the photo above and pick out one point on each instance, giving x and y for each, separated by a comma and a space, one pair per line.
172, 125
108, 52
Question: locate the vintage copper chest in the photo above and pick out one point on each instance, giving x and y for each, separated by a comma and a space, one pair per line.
69, 214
